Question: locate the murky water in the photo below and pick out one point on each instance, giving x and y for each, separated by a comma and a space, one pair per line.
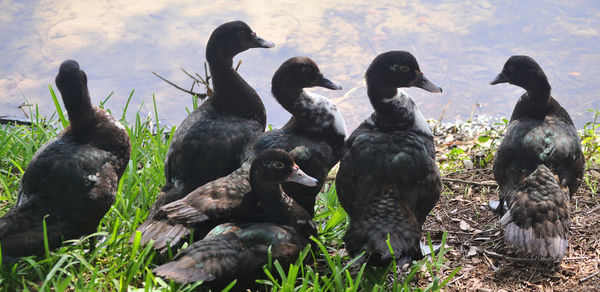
460, 45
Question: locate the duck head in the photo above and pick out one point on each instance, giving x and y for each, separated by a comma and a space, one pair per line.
232, 38
524, 72
71, 81
275, 166
398, 69
72, 84
301, 72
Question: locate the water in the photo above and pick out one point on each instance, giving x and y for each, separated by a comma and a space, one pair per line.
460, 46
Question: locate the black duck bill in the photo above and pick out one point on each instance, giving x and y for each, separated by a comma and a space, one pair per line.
326, 83
424, 83
302, 178
499, 79
258, 42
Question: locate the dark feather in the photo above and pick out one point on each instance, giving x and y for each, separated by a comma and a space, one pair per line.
388, 181
208, 143
539, 159
71, 181
238, 250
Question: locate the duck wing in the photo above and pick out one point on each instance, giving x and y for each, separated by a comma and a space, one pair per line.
220, 199
388, 184
70, 192
233, 251
537, 218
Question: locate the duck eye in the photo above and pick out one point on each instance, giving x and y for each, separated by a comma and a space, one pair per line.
305, 70
398, 67
278, 164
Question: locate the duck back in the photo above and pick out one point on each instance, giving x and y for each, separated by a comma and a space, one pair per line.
388, 181
538, 165
208, 143
239, 249
71, 181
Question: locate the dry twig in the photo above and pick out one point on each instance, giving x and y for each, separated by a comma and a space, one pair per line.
439, 121
477, 183
589, 277
512, 259
199, 95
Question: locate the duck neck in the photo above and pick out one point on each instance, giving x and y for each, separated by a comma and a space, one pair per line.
540, 94
312, 114
391, 110
285, 94
380, 97
270, 197
231, 93
534, 103
79, 108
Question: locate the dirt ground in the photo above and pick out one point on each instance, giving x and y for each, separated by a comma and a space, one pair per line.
488, 264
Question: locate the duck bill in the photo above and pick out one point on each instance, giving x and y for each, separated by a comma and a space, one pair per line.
324, 82
424, 83
298, 176
258, 42
499, 79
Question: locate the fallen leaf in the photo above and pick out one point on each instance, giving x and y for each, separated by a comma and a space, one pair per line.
468, 164
472, 251
464, 226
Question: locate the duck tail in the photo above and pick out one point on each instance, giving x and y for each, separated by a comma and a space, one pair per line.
181, 211
369, 231
196, 206
207, 260
159, 228
537, 220
21, 234
162, 232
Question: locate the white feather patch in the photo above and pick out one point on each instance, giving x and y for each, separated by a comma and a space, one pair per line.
527, 240
420, 124
114, 121
24, 198
92, 177
287, 200
317, 102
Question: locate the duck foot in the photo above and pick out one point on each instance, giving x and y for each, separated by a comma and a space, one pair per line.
498, 207
494, 204
92, 242
425, 250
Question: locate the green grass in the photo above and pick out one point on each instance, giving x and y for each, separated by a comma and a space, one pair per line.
115, 264
480, 151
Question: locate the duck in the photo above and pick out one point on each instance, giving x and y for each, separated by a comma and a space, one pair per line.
315, 133
71, 181
238, 249
388, 180
538, 165
208, 143
314, 136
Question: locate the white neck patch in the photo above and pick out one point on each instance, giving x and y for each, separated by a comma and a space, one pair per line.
420, 122
322, 111
403, 100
